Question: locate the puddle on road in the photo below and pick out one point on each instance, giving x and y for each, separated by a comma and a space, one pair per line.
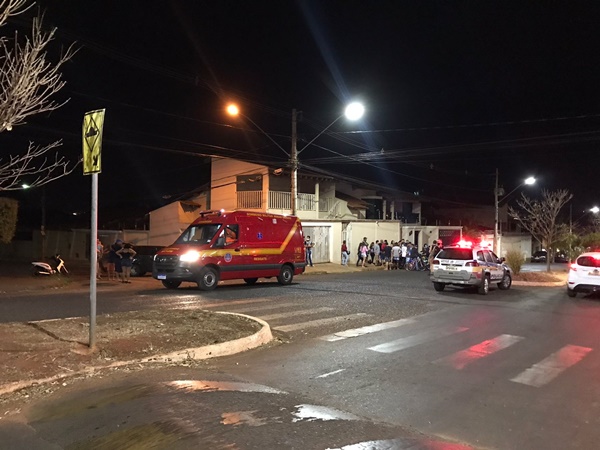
243, 418
316, 412
214, 386
91, 400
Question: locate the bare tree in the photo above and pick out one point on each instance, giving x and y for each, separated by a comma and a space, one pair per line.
540, 218
28, 82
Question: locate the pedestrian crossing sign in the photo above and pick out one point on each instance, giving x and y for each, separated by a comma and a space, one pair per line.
93, 123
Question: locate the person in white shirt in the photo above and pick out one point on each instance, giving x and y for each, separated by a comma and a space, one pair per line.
396, 252
403, 255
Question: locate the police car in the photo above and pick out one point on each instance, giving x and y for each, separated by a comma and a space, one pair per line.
469, 265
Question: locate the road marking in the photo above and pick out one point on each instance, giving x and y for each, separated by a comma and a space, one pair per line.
236, 302
325, 375
300, 312
318, 323
411, 341
460, 359
552, 366
270, 306
365, 330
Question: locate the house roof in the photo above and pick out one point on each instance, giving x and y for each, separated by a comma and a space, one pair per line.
353, 202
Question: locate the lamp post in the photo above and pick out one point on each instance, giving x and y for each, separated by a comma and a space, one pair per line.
498, 191
353, 111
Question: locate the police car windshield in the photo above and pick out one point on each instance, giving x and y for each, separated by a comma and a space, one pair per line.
200, 234
455, 253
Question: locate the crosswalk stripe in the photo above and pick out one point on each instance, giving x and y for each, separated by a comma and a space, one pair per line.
237, 302
264, 307
552, 366
460, 359
300, 312
318, 323
340, 335
419, 338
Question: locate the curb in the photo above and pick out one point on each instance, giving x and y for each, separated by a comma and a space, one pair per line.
540, 283
227, 348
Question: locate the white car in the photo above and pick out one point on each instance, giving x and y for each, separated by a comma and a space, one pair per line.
584, 274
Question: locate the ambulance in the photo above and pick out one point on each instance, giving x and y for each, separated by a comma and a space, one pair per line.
221, 245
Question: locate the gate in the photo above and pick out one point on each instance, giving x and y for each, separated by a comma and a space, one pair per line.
320, 237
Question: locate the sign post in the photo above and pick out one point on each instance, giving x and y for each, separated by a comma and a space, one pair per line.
93, 123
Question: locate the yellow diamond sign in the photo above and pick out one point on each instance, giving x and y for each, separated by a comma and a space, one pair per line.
93, 122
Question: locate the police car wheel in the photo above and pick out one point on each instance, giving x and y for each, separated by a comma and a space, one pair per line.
170, 284
286, 275
484, 288
506, 282
439, 286
250, 280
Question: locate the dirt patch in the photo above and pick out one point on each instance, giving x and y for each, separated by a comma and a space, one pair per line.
541, 277
44, 349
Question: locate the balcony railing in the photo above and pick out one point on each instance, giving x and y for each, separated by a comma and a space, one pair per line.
249, 200
279, 200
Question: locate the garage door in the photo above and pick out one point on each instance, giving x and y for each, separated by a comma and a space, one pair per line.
320, 237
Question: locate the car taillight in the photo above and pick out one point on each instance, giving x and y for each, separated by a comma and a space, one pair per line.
472, 264
436, 262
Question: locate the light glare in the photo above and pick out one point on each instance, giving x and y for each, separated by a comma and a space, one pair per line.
354, 111
530, 180
233, 110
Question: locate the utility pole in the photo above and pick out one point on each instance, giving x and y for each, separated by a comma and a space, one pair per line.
496, 214
294, 164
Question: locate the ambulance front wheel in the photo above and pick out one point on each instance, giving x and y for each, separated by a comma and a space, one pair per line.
286, 275
209, 278
170, 284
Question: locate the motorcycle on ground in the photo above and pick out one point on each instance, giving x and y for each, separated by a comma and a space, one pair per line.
57, 266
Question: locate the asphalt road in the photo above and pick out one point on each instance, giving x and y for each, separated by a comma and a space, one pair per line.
367, 357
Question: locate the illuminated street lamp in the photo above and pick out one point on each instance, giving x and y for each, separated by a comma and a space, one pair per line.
595, 210
353, 111
497, 193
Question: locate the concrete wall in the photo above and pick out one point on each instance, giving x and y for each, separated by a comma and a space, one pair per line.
169, 221
519, 242
223, 181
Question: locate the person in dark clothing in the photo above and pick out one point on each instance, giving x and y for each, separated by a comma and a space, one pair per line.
114, 261
126, 254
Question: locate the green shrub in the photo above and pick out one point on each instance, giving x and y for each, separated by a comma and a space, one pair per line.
8, 219
515, 260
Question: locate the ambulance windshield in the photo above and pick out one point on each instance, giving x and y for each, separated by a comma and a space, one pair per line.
200, 234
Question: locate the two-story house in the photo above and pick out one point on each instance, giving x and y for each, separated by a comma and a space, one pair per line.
331, 210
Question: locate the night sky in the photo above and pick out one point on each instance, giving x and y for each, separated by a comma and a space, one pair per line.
452, 90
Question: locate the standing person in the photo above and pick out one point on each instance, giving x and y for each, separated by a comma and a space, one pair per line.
308, 245
359, 259
126, 253
377, 250
403, 254
363, 251
395, 255
344, 254
372, 253
114, 261
388, 254
99, 255
435, 249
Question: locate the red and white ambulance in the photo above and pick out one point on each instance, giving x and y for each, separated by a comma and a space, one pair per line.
233, 245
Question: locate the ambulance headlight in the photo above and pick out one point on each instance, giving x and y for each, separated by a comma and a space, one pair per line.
191, 256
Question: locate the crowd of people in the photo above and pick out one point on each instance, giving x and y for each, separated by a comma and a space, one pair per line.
118, 260
393, 255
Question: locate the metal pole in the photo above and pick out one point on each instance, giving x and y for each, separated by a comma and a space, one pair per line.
294, 164
496, 214
93, 259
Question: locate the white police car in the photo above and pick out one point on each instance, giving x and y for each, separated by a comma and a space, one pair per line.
467, 265
584, 274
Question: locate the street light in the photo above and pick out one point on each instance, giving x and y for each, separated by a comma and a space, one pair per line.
353, 111
497, 193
